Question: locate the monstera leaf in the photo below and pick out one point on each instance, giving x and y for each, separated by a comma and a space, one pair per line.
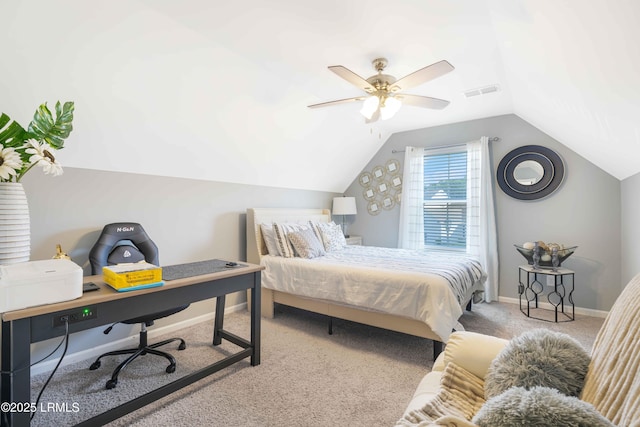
43, 127
11, 133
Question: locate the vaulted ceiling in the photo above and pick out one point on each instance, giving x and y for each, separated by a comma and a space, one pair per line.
219, 90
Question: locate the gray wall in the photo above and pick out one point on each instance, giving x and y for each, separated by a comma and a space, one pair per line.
189, 220
630, 227
584, 211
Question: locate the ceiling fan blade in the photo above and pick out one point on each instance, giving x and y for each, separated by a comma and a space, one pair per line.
337, 102
352, 78
422, 101
423, 75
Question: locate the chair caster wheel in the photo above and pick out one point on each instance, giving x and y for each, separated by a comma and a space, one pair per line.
111, 384
95, 365
171, 369
182, 346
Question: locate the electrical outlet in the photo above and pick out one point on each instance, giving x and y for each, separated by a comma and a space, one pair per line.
551, 280
77, 315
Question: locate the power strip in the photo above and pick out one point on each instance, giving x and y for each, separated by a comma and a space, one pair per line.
77, 315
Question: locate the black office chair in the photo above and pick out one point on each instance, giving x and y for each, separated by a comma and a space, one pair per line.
128, 242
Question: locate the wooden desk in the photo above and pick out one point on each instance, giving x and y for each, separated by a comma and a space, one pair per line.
20, 328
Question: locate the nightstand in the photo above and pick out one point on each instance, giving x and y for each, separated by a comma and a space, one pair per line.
354, 240
557, 291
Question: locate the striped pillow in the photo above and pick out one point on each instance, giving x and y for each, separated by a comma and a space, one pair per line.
281, 229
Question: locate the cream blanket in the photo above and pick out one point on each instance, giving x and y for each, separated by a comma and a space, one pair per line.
460, 396
612, 385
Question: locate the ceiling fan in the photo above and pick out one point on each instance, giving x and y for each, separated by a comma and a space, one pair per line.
383, 97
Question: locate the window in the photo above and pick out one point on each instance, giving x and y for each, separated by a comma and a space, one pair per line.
445, 199
447, 204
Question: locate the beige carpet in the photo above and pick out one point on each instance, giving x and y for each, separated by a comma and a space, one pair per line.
359, 376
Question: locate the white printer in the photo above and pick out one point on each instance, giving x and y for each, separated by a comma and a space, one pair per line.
32, 283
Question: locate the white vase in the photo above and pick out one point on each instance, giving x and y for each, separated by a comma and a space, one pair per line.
15, 233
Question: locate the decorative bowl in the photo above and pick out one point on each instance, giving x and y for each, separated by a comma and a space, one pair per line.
545, 255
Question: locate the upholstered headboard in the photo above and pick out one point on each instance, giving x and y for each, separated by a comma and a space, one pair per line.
256, 216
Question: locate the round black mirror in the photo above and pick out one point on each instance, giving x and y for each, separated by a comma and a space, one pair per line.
530, 172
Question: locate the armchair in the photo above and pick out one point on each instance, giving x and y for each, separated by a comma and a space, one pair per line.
611, 391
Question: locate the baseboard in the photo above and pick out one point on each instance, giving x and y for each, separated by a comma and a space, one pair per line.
132, 340
579, 310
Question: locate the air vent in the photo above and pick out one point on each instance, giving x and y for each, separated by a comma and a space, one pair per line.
489, 89
482, 91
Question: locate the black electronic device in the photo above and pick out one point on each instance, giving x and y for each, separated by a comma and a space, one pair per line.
90, 286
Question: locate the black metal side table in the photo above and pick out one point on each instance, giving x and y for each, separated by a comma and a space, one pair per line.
560, 296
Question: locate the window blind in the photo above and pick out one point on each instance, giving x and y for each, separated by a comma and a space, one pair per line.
445, 200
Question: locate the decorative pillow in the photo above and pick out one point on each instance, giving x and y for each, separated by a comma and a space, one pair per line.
281, 230
315, 226
332, 237
268, 235
306, 244
539, 406
539, 358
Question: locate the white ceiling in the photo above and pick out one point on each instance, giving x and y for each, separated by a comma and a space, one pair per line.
219, 90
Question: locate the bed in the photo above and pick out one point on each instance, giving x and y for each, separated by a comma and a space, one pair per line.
396, 289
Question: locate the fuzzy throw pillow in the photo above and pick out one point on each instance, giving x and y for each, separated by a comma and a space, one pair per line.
538, 407
539, 358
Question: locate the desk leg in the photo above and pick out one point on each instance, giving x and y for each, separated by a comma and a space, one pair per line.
219, 322
256, 307
16, 358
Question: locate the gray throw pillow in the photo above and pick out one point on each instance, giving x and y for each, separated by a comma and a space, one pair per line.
539, 358
538, 407
306, 243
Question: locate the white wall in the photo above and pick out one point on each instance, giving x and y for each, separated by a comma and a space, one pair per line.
195, 89
584, 211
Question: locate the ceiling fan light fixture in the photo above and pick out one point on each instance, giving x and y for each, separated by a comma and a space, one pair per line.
384, 93
369, 106
389, 108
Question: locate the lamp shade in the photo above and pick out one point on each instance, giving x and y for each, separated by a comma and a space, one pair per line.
370, 106
390, 107
344, 206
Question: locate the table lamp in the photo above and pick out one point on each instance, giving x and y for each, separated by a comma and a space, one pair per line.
344, 206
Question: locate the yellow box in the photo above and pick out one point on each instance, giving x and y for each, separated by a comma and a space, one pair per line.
132, 275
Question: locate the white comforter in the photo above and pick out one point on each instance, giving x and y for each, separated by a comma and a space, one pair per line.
429, 287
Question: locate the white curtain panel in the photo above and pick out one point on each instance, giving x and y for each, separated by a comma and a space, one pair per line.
411, 233
482, 238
